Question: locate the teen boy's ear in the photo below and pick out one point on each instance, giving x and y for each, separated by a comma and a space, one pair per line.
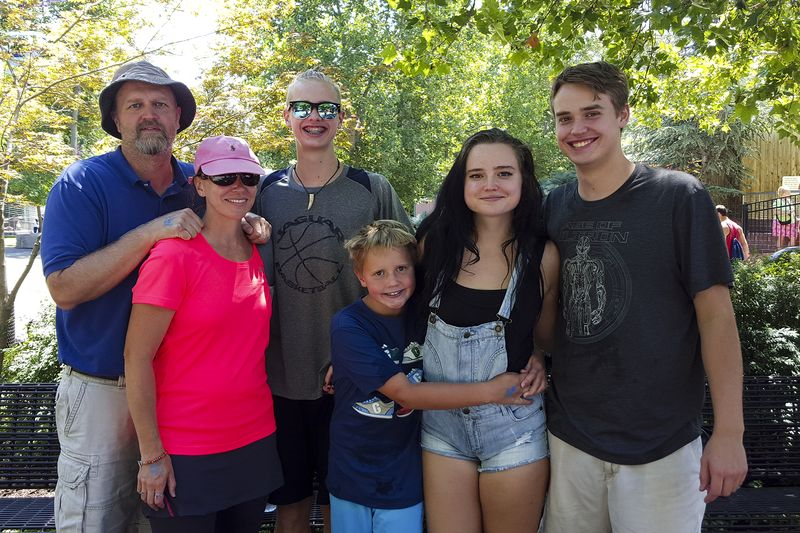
624, 116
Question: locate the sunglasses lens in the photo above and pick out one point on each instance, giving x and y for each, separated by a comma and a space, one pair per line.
301, 109
250, 180
223, 180
327, 110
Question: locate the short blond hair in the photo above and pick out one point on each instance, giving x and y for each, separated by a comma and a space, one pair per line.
313, 75
380, 234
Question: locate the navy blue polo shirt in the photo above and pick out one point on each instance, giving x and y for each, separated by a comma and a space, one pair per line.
91, 205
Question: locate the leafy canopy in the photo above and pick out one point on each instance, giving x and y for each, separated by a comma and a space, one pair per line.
685, 59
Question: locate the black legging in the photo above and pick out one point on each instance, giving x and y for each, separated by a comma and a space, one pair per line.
242, 518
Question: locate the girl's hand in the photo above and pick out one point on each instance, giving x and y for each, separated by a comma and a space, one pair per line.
505, 388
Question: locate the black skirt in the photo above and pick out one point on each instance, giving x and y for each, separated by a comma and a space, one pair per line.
209, 483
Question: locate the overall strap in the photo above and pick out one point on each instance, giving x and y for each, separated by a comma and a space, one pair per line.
504, 313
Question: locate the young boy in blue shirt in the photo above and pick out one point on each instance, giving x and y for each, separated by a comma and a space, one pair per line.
375, 470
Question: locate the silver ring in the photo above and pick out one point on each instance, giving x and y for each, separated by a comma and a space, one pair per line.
157, 494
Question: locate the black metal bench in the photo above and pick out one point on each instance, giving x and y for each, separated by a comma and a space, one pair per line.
28, 454
769, 500
29, 457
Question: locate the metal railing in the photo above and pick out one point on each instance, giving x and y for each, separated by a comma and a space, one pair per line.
771, 224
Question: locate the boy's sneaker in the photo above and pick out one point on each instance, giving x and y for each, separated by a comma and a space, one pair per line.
415, 376
412, 354
375, 408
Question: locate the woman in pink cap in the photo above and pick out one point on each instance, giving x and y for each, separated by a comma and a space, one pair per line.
194, 362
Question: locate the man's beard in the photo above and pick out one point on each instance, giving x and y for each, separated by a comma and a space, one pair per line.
152, 144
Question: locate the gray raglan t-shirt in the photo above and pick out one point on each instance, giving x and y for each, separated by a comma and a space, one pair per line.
627, 374
310, 270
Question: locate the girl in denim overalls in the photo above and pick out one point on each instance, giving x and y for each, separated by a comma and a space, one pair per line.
489, 278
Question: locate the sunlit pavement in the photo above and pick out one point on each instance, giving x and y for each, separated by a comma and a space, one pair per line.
32, 296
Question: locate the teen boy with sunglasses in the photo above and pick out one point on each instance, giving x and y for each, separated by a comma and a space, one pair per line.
314, 206
642, 321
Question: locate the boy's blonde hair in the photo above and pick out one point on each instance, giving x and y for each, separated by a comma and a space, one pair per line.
380, 234
313, 75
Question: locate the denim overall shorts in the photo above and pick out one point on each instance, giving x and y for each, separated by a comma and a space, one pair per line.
498, 437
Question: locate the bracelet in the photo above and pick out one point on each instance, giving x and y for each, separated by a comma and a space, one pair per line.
153, 461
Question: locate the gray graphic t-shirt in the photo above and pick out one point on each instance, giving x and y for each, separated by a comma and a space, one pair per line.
310, 270
627, 370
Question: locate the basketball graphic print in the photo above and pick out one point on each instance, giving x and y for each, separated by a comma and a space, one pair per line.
306, 263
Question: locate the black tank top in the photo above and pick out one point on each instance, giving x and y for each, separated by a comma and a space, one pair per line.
462, 307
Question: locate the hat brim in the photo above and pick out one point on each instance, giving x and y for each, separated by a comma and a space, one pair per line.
231, 166
183, 97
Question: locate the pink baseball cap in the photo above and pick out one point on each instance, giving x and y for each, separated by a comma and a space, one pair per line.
226, 155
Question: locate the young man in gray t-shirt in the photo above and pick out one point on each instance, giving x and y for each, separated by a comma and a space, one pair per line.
313, 206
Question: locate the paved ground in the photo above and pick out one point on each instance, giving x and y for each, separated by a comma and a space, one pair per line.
32, 296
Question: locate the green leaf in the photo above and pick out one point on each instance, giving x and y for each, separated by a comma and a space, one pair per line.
389, 54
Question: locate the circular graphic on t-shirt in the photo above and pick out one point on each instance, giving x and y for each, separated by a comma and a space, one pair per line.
595, 291
305, 257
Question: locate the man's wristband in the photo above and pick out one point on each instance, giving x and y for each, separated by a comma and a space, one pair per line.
154, 460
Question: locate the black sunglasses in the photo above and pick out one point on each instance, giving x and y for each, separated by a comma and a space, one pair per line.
326, 110
225, 180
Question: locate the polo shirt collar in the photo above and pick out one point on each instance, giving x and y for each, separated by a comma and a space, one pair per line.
179, 178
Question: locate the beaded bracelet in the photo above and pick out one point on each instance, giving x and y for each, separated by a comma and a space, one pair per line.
153, 461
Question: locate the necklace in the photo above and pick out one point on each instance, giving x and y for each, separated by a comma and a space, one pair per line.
311, 195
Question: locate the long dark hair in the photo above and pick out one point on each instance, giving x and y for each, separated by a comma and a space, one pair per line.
450, 228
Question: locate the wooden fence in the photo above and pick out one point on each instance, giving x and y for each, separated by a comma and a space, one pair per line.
774, 159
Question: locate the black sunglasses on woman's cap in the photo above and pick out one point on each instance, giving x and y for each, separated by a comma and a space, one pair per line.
302, 109
225, 180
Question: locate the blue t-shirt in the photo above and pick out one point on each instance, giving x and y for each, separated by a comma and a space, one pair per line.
374, 462
91, 205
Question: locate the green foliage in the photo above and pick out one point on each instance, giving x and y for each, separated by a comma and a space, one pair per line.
684, 59
768, 314
558, 178
715, 157
35, 360
54, 58
405, 126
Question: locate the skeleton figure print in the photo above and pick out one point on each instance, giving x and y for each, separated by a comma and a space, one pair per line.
595, 284
583, 290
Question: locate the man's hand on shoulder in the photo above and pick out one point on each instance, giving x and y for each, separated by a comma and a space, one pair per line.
183, 224
257, 229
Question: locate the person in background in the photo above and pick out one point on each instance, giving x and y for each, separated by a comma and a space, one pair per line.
784, 225
731, 230
194, 362
314, 205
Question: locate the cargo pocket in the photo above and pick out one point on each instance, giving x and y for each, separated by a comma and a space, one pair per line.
69, 397
71, 494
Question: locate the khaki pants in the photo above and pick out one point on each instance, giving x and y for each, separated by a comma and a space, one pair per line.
588, 495
96, 489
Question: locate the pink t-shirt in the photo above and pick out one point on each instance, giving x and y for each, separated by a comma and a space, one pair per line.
211, 382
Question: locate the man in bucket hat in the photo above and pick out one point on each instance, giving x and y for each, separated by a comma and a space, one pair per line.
103, 216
